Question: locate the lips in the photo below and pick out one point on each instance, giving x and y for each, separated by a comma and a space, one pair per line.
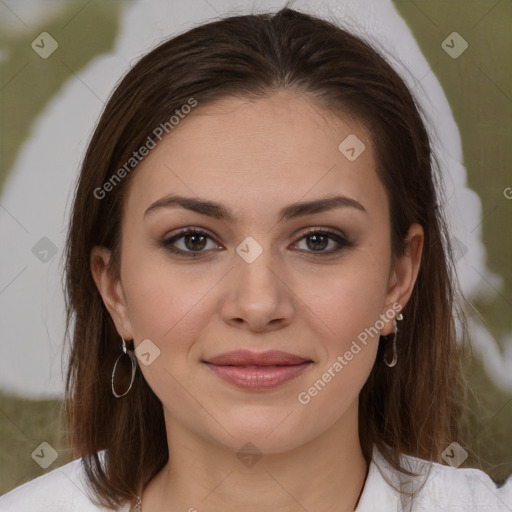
257, 371
248, 358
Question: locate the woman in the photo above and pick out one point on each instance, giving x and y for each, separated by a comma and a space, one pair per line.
262, 289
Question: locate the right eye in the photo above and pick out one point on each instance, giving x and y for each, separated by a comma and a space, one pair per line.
192, 242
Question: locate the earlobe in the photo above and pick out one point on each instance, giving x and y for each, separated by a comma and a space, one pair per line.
404, 274
110, 290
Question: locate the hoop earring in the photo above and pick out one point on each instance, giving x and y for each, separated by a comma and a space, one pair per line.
133, 365
394, 360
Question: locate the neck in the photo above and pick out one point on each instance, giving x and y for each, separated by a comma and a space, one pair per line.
325, 474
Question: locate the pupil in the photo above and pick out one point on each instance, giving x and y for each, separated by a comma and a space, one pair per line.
316, 246
191, 237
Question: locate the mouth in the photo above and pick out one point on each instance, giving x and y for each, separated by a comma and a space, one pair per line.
257, 371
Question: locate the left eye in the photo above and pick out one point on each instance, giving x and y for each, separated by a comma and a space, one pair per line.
317, 241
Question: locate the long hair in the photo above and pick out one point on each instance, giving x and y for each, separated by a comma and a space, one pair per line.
414, 408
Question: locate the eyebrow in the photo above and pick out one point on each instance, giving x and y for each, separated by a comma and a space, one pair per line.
220, 212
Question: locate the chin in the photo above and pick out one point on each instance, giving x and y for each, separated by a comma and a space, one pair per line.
265, 435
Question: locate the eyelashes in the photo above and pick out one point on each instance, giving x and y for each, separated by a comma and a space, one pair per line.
321, 238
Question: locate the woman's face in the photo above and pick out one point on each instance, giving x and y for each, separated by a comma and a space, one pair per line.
262, 274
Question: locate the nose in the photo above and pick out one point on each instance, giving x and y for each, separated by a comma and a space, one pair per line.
257, 295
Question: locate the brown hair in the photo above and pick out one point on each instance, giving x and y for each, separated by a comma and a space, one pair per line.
413, 408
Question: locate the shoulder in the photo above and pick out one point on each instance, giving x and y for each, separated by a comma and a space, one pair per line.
460, 489
437, 487
61, 490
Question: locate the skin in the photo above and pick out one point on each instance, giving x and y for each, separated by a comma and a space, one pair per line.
256, 157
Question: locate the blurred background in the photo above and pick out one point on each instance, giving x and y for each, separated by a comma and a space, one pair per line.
59, 61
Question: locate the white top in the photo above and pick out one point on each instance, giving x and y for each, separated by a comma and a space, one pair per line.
446, 489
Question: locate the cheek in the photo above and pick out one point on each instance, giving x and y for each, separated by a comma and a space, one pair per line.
347, 308
350, 310
170, 307
162, 299
347, 299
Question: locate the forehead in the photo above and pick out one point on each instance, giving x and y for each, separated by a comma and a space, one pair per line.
255, 154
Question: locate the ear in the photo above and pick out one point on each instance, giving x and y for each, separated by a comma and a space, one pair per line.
403, 276
111, 291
